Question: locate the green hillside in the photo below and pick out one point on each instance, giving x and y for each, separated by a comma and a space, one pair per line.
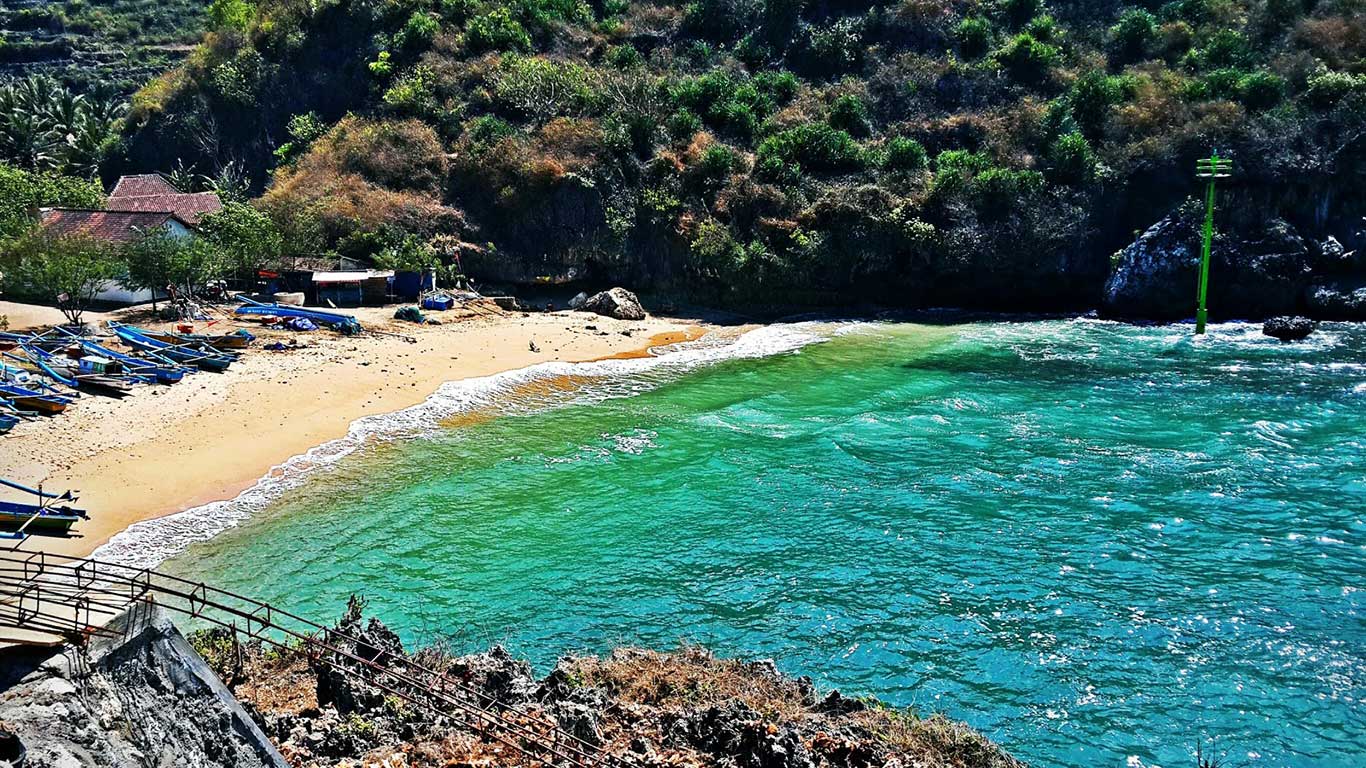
105, 47
914, 151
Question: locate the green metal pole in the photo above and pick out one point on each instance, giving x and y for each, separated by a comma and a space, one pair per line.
1211, 169
1200, 312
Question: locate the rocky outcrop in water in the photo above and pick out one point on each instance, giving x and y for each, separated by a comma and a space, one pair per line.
147, 699
1288, 328
617, 302
1266, 271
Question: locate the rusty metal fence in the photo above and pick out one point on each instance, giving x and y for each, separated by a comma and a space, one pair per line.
74, 598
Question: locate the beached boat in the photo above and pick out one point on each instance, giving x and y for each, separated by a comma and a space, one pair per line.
345, 324
221, 342
77, 374
163, 371
36, 519
34, 400
43, 517
208, 361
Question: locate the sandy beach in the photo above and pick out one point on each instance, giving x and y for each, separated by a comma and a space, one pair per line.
166, 449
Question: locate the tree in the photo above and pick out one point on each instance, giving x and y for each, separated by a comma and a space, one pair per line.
245, 235
46, 127
66, 270
162, 258
23, 192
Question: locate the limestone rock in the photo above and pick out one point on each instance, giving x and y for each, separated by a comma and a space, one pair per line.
617, 302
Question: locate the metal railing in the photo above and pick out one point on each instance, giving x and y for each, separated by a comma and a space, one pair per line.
75, 597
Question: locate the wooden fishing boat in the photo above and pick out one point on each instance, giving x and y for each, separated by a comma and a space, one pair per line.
164, 372
36, 519
44, 517
34, 400
208, 361
220, 342
73, 374
345, 324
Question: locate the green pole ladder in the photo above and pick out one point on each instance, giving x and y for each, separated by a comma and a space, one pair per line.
1211, 169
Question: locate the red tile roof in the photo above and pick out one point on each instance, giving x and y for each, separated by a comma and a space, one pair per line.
112, 226
189, 206
143, 184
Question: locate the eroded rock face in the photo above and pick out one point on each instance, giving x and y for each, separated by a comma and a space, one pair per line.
1337, 299
1289, 328
1252, 275
144, 699
617, 302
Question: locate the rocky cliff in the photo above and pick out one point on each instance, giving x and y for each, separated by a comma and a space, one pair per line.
146, 699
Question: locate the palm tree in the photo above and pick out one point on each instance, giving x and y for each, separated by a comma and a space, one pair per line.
45, 126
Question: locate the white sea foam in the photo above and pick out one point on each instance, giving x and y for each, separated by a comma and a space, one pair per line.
149, 543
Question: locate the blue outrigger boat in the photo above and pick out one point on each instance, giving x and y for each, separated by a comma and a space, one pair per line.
34, 399
19, 519
162, 369
186, 354
74, 374
344, 324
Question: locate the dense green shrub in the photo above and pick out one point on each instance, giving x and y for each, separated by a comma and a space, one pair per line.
1026, 59
1134, 36
850, 114
1071, 160
497, 30
904, 155
996, 191
624, 56
682, 124
417, 33
1225, 48
536, 88
831, 50
812, 147
1261, 90
1325, 89
1092, 96
974, 37
486, 130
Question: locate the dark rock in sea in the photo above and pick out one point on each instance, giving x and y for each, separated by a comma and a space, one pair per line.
1252, 274
1289, 328
617, 302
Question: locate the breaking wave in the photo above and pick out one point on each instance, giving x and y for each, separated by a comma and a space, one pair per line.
150, 542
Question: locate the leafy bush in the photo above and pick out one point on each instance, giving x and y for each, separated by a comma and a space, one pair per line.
832, 50
1092, 96
1044, 28
417, 33
624, 56
486, 130
904, 155
1133, 36
1071, 160
996, 191
974, 37
540, 89
810, 147
712, 168
231, 14
721, 20
1325, 89
1225, 48
496, 30
1261, 90
850, 114
1026, 59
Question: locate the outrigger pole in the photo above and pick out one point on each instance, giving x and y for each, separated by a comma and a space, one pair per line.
1211, 169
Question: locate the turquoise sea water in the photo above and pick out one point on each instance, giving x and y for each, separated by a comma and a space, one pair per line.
1097, 543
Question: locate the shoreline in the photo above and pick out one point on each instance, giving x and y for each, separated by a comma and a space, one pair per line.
212, 437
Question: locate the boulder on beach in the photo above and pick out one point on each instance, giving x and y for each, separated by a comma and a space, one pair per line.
578, 301
1289, 327
617, 302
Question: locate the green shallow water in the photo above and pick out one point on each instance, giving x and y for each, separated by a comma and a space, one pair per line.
1097, 543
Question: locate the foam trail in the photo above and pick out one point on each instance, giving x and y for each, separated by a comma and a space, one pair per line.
150, 542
